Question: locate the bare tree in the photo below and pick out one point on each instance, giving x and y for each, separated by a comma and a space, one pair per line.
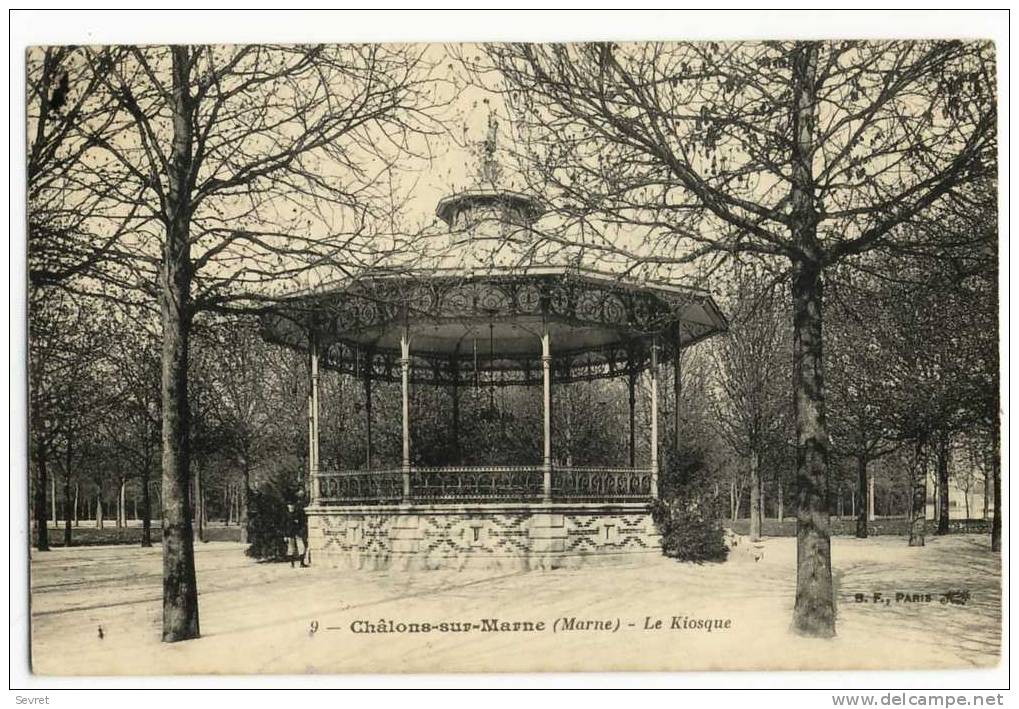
69, 390
248, 395
73, 224
805, 154
750, 370
858, 390
134, 426
245, 171
927, 330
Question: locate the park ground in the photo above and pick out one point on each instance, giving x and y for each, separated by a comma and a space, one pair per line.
270, 618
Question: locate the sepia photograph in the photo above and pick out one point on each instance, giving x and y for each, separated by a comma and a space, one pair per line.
660, 355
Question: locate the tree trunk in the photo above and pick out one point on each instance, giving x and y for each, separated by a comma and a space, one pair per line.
781, 502
996, 474
871, 499
196, 506
755, 497
942, 462
568, 415
988, 484
53, 498
42, 537
732, 501
454, 393
369, 454
122, 504
631, 383
918, 497
180, 590
814, 612
146, 508
69, 503
99, 510
75, 504
245, 500
677, 393
863, 511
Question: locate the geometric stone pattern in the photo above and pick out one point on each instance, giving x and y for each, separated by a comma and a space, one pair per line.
522, 537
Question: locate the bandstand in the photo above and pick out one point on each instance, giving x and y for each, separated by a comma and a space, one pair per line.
544, 317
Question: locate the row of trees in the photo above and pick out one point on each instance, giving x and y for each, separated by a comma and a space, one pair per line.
248, 419
248, 409
96, 411
911, 372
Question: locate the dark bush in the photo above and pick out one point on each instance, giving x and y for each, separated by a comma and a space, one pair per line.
268, 523
689, 513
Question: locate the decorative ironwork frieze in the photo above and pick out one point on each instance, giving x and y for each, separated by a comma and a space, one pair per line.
344, 321
591, 484
484, 483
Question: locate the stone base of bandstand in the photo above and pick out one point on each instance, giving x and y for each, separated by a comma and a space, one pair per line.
481, 536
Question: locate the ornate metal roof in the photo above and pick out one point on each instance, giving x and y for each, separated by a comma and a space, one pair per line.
476, 296
459, 324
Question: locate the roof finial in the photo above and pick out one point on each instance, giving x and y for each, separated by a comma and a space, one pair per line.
490, 168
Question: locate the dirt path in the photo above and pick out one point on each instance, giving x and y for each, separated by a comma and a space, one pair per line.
260, 617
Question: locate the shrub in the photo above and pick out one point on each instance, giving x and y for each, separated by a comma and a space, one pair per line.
268, 523
688, 513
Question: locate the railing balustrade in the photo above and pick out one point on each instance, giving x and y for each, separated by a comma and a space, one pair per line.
476, 483
361, 486
484, 484
594, 484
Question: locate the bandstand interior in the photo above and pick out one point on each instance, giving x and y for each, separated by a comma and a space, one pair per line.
534, 324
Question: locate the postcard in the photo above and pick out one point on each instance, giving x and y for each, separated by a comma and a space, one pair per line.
576, 357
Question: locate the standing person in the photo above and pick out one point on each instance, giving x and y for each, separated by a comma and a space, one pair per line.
292, 533
302, 528
297, 532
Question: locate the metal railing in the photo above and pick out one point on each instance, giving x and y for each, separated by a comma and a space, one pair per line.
594, 484
470, 483
360, 486
451, 484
